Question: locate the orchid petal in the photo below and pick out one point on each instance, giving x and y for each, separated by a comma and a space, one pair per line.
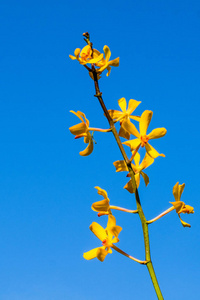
98, 230
176, 192
184, 223
88, 150
101, 254
133, 144
157, 133
91, 254
132, 105
129, 187
145, 177
130, 127
137, 159
78, 115
78, 129
147, 161
115, 114
120, 166
137, 179
124, 133
122, 104
101, 192
114, 62
144, 121
107, 52
152, 152
102, 205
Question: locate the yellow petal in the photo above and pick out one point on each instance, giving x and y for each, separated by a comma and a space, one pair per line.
87, 150
78, 115
136, 118
91, 254
129, 187
111, 221
130, 127
72, 57
157, 133
96, 59
152, 152
115, 114
176, 192
115, 230
133, 144
98, 230
101, 205
184, 223
77, 52
132, 105
111, 226
187, 209
101, 254
122, 104
137, 159
178, 205
145, 177
78, 129
85, 52
147, 161
109, 69
120, 166
144, 121
123, 133
114, 62
137, 179
101, 192
181, 188
107, 52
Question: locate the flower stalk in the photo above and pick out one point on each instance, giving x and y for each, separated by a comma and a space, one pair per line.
137, 198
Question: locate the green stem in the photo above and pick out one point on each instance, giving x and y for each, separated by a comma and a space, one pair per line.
139, 207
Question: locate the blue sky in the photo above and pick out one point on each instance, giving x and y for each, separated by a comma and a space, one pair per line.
47, 189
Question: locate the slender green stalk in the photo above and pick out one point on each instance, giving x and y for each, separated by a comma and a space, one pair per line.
142, 262
139, 207
161, 215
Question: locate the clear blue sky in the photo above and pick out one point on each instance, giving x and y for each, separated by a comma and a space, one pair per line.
46, 188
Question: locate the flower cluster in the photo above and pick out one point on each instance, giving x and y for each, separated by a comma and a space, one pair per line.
179, 205
92, 56
127, 128
107, 236
132, 128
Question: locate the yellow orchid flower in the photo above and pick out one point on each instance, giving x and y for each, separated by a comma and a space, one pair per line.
82, 130
104, 63
125, 114
138, 168
142, 137
179, 205
84, 56
102, 207
107, 236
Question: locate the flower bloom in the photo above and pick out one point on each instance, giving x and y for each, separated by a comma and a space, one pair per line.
142, 138
125, 114
138, 168
107, 236
105, 63
82, 130
102, 207
179, 205
84, 56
